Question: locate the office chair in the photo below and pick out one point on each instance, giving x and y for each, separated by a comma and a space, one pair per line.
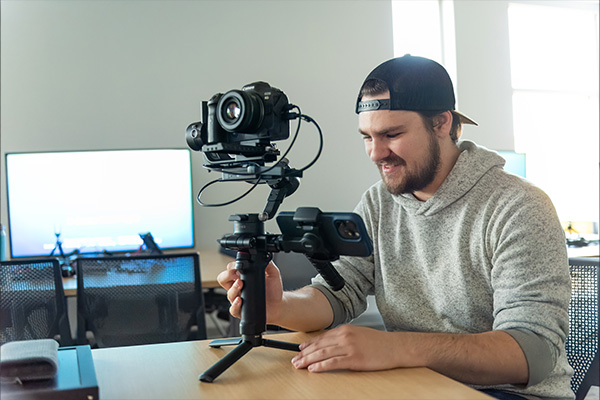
582, 342
33, 303
124, 301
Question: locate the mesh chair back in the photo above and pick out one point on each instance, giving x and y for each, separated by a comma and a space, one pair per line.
126, 301
582, 342
33, 304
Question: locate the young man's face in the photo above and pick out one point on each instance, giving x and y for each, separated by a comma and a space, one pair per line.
405, 152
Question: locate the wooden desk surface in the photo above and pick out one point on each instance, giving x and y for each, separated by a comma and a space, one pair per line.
587, 251
170, 371
212, 262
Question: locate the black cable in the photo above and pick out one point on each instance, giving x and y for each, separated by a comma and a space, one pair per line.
297, 115
227, 202
310, 120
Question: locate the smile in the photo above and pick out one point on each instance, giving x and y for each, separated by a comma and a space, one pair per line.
389, 168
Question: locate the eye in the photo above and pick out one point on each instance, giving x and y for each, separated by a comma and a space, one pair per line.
367, 138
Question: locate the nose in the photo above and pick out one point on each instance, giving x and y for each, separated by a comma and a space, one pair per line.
377, 149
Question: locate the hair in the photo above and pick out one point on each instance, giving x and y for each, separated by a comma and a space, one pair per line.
374, 87
429, 117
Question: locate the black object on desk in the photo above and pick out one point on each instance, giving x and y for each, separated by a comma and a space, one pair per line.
75, 379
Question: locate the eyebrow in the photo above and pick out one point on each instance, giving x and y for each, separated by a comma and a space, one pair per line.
385, 131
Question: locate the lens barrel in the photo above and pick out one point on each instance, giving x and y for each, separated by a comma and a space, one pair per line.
240, 112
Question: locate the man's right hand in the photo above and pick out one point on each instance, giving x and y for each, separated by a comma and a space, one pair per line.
230, 280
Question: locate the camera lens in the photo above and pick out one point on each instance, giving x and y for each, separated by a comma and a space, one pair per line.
232, 111
240, 111
347, 229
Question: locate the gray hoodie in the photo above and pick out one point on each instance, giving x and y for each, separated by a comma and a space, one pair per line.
485, 252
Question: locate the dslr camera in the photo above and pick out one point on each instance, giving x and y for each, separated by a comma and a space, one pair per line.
241, 123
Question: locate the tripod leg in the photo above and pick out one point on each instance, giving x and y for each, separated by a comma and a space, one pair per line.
220, 366
281, 345
225, 342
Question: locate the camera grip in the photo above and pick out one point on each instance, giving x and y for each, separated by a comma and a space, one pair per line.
328, 272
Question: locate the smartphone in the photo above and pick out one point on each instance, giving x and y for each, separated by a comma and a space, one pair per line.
310, 231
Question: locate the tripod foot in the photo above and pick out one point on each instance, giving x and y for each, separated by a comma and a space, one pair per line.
281, 345
217, 369
224, 342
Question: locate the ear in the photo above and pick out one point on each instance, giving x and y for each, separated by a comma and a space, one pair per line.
443, 124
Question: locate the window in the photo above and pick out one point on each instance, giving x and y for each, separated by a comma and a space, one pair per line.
425, 28
554, 67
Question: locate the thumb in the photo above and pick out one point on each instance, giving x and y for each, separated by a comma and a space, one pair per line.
272, 271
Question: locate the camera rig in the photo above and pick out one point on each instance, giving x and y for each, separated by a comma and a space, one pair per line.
236, 140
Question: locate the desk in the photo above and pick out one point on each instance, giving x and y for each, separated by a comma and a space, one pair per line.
212, 262
171, 370
587, 251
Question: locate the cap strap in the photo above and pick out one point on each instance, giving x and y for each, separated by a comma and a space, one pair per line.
372, 105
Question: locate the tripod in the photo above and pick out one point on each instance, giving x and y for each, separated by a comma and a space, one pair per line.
253, 255
65, 267
58, 246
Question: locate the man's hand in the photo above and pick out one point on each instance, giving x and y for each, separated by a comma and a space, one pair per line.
231, 281
346, 347
485, 358
305, 309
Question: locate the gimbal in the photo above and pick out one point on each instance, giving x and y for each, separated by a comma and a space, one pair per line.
235, 139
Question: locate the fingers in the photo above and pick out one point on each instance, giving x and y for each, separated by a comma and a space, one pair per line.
344, 347
229, 276
235, 290
230, 281
236, 308
234, 296
322, 356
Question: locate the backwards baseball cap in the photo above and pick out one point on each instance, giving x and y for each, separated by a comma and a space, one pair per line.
415, 84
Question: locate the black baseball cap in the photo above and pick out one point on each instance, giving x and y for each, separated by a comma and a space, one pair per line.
415, 84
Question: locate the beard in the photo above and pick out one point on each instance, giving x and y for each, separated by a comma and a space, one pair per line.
415, 178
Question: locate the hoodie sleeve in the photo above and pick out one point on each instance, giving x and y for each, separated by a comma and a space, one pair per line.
530, 279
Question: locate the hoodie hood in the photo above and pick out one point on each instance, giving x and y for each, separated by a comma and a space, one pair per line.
472, 164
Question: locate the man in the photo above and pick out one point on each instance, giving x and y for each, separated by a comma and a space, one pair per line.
469, 268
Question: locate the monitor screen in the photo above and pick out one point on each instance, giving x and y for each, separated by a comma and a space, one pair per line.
98, 200
515, 162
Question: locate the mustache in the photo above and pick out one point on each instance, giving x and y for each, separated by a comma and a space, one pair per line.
392, 160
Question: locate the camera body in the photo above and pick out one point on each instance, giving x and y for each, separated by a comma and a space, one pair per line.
241, 122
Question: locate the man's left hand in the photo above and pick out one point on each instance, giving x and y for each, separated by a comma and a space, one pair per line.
347, 347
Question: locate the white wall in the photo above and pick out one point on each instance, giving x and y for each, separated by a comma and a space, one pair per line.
484, 89
79, 75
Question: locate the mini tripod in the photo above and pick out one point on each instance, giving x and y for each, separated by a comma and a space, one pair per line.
66, 268
58, 246
253, 256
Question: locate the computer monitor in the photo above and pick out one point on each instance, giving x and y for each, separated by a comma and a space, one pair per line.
98, 200
515, 162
